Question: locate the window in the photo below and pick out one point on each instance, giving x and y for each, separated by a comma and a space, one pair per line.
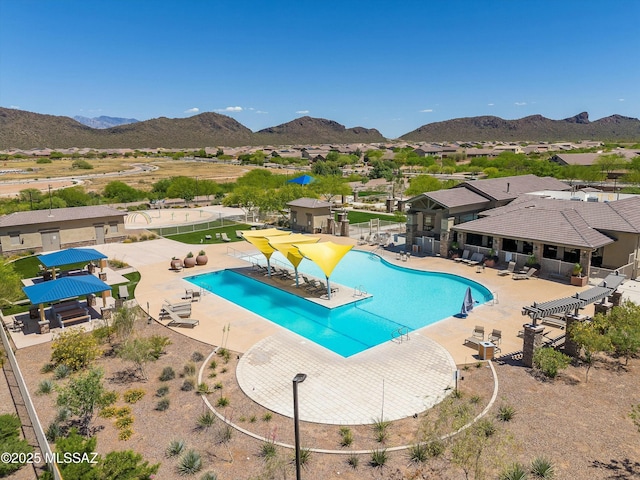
113, 227
550, 251
509, 245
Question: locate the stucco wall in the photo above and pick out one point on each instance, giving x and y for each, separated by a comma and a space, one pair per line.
617, 254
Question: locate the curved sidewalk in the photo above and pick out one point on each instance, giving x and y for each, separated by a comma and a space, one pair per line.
390, 381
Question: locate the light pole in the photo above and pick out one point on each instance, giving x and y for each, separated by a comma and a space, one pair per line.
196, 189
299, 378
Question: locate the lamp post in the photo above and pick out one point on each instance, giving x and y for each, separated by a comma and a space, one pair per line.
299, 378
196, 188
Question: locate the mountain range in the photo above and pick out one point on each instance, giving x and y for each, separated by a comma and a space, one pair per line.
26, 130
104, 121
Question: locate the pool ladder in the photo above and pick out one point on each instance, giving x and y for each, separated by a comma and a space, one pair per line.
399, 335
359, 291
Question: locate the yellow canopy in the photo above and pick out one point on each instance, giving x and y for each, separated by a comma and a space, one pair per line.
326, 255
258, 238
284, 244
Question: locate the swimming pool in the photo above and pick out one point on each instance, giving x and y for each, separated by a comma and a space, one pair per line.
401, 298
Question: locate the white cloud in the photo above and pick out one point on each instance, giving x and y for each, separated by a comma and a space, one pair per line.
192, 110
520, 104
261, 112
426, 110
491, 104
230, 109
302, 111
15, 107
621, 99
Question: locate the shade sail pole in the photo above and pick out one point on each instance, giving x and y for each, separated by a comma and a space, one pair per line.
328, 288
297, 281
269, 267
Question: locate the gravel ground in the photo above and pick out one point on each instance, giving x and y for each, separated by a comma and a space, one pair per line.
582, 427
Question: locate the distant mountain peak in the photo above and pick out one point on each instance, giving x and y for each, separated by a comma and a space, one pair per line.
103, 121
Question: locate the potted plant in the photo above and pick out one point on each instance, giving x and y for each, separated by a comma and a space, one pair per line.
532, 262
189, 260
577, 279
176, 263
454, 251
491, 259
202, 258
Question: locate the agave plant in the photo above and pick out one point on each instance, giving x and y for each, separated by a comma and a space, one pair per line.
542, 468
515, 471
190, 463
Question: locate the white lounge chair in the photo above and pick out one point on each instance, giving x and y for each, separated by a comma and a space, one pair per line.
224, 237
178, 321
524, 276
476, 337
509, 270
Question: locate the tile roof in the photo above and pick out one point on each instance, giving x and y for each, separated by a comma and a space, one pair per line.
456, 197
58, 215
309, 203
620, 216
508, 188
564, 227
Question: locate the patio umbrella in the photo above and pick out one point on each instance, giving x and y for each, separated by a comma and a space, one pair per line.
302, 180
467, 304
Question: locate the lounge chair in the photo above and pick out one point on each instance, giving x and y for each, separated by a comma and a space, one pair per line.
238, 233
182, 309
218, 236
495, 336
224, 237
476, 337
475, 259
123, 293
178, 321
191, 294
509, 270
464, 257
524, 276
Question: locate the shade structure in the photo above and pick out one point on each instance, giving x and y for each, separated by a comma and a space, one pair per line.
62, 288
553, 307
259, 239
284, 244
613, 280
467, 303
326, 255
70, 256
302, 180
594, 294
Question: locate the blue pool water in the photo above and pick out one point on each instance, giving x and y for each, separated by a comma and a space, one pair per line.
401, 297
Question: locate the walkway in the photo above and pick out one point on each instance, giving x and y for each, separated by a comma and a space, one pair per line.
390, 381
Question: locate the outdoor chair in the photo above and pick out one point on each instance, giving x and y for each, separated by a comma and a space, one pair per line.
476, 337
464, 257
218, 236
475, 259
224, 237
238, 233
524, 276
178, 321
495, 337
509, 270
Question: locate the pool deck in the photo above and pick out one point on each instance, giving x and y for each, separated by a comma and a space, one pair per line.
272, 355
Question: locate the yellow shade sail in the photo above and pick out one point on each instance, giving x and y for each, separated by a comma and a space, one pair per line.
259, 239
326, 254
284, 244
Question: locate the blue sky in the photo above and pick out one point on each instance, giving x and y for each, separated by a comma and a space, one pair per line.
390, 65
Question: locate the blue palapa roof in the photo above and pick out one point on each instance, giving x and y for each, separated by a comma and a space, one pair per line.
66, 287
69, 256
303, 180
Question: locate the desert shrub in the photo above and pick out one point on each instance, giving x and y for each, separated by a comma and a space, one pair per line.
53, 431
168, 373
217, 386
61, 371
550, 361
542, 468
63, 414
380, 427
267, 417
175, 448
45, 387
10, 442
124, 422
222, 402
162, 391
213, 365
268, 450
159, 345
133, 395
379, 457
305, 456
123, 412
163, 405
190, 463
125, 434
418, 453
206, 420
353, 461
188, 384
506, 412
47, 368
203, 388
346, 437
189, 370
197, 357
515, 471
209, 476
475, 399
435, 448
75, 349
108, 412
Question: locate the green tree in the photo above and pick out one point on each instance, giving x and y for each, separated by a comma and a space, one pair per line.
208, 188
75, 349
82, 164
11, 284
245, 197
74, 196
138, 351
82, 395
74, 443
324, 168
182, 187
623, 329
330, 186
422, 184
607, 163
121, 192
591, 337
10, 442
126, 465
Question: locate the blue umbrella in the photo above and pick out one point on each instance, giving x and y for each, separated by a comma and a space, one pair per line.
303, 180
467, 304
